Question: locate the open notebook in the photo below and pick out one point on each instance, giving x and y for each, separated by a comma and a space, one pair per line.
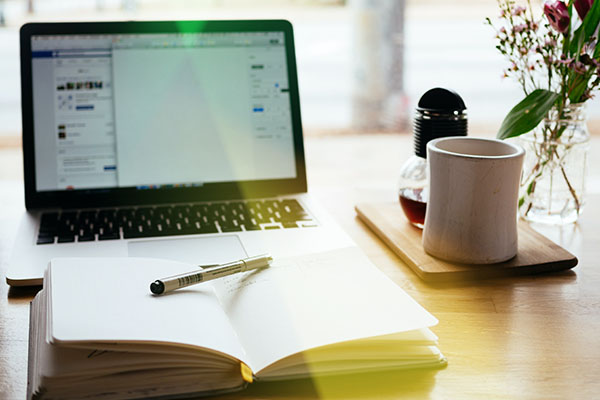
97, 332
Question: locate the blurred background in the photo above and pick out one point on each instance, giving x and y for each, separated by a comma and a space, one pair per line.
362, 64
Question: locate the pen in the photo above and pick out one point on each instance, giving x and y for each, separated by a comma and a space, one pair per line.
165, 285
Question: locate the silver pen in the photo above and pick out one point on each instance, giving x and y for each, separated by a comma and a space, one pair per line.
165, 285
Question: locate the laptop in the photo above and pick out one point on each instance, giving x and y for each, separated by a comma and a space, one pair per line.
177, 140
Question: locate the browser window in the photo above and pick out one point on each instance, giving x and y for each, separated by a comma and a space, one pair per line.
160, 109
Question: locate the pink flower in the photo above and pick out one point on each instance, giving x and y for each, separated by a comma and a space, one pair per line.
589, 47
582, 7
565, 61
578, 67
518, 10
519, 28
557, 14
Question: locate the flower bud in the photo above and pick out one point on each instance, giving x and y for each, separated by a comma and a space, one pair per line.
582, 7
557, 14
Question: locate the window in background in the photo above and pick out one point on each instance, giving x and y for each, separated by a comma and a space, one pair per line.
362, 64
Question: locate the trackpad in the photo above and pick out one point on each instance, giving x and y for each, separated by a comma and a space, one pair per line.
198, 251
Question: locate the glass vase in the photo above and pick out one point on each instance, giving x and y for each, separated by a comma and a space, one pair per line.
555, 167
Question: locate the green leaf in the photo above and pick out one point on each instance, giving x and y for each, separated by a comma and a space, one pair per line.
596, 49
527, 114
530, 187
586, 30
578, 83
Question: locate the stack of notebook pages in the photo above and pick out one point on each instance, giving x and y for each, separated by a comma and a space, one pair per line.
96, 331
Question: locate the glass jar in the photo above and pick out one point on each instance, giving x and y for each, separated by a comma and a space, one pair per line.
555, 167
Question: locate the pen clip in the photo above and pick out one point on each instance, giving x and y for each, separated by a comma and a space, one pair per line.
208, 266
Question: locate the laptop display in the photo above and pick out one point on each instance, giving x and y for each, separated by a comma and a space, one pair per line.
193, 112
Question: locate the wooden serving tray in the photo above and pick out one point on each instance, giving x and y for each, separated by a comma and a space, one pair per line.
537, 254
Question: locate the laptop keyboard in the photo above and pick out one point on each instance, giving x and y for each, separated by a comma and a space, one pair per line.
170, 220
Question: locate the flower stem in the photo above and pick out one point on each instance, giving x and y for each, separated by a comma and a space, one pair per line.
571, 189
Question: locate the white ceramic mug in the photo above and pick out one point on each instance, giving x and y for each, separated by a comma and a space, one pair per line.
473, 197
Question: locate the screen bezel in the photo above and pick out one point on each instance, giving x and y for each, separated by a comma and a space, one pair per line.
103, 197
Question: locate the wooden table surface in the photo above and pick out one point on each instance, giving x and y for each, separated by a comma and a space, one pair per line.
527, 337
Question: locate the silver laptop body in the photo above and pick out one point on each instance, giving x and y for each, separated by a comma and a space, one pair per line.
178, 140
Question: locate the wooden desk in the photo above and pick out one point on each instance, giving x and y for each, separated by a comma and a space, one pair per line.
528, 337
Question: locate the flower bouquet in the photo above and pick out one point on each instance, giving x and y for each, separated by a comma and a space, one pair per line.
555, 57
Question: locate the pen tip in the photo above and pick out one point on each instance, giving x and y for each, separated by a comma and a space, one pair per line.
157, 287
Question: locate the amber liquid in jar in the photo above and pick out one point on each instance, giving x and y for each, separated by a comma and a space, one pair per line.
414, 205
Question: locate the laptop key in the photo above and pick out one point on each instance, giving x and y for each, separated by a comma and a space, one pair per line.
142, 231
132, 233
66, 238
208, 228
85, 219
180, 212
124, 215
292, 204
49, 222
45, 240
168, 231
188, 231
262, 219
109, 235
144, 214
66, 231
252, 227
162, 213
183, 232
88, 237
230, 228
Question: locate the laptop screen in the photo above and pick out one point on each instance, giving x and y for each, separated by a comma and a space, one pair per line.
160, 110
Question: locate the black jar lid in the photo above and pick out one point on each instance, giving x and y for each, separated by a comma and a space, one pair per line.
440, 113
